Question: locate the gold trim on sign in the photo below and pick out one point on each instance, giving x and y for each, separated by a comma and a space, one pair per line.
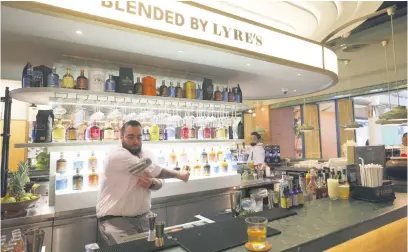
109, 23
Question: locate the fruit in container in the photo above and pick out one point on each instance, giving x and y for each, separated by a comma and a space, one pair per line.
9, 200
18, 180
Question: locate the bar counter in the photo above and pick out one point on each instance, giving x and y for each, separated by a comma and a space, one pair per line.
323, 224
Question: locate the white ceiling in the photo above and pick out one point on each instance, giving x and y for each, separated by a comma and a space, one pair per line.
309, 19
44, 39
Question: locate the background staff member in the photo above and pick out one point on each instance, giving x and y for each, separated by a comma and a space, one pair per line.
127, 179
256, 151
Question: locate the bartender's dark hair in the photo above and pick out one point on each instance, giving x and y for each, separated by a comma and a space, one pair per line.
256, 134
132, 123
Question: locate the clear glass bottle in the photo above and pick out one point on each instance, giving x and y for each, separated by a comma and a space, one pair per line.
82, 81
161, 134
77, 181
177, 167
161, 160
92, 161
68, 80
199, 92
200, 133
110, 84
78, 162
197, 169
311, 188
72, 133
109, 133
204, 157
53, 78
192, 133
94, 132
61, 183
82, 131
58, 132
224, 166
171, 90
163, 89
172, 158
61, 164
147, 135
220, 155
171, 132
212, 157
207, 169
183, 157
93, 178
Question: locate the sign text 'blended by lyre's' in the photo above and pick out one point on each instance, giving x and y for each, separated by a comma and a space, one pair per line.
158, 14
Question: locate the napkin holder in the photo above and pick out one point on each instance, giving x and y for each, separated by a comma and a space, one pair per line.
382, 193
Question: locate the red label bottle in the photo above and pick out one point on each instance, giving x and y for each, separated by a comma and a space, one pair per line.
94, 132
207, 133
184, 132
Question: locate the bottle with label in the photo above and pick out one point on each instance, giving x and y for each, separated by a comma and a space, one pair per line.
224, 166
294, 192
27, 75
68, 80
212, 157
148, 136
311, 188
220, 155
199, 93
93, 179
207, 169
172, 158
208, 90
161, 160
197, 169
171, 90
179, 91
231, 97
204, 157
94, 132
154, 133
238, 94
161, 135
77, 181
92, 161
110, 84
200, 133
109, 133
61, 164
307, 180
289, 199
82, 81
138, 87
184, 132
213, 132
163, 89
78, 162
72, 133
183, 157
58, 132
171, 132
81, 131
220, 133
61, 183
207, 132
217, 95
284, 198
241, 130
300, 193
192, 133
177, 168
187, 167
53, 78
225, 94
230, 133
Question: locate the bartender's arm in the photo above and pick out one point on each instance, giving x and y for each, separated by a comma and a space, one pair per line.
155, 183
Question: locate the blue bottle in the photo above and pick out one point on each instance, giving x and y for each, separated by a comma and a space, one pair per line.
199, 93
27, 75
171, 90
53, 78
110, 84
225, 94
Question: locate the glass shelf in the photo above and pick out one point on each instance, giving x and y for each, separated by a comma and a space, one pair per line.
48, 96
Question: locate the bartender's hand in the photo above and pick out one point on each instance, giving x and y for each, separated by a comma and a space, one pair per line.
183, 175
144, 182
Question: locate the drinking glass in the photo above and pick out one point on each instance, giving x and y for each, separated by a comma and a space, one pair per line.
332, 186
256, 232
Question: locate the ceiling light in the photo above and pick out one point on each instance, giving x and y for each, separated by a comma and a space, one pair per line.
250, 111
262, 109
248, 64
79, 32
179, 51
294, 90
253, 114
299, 74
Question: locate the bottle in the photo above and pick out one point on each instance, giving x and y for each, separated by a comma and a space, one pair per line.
61, 164
307, 180
179, 91
72, 133
200, 133
220, 155
172, 158
177, 168
197, 169
108, 133
148, 136
224, 166
183, 157
289, 197
213, 132
238, 95
171, 132
161, 134
143, 135
58, 132
332, 174
225, 94
325, 192
161, 160
220, 133
94, 132
199, 93
208, 91
61, 183
163, 89
184, 132
92, 161
53, 78
241, 130
78, 162
192, 133
231, 97
344, 187
68, 80
171, 90
77, 181
138, 87
217, 95
27, 76
319, 189
110, 84
93, 178
284, 198
312, 185
300, 193
213, 156
82, 81
154, 133
204, 157
207, 169
207, 132
81, 131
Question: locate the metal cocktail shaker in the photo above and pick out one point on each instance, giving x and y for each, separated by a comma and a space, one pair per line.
159, 234
235, 200
33, 240
152, 222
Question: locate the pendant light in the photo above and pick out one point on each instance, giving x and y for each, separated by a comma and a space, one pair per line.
398, 114
351, 125
305, 127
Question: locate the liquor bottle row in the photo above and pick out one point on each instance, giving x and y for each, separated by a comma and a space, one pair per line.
61, 182
111, 131
42, 76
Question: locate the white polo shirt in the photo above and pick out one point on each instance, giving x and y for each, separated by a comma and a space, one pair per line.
119, 193
257, 153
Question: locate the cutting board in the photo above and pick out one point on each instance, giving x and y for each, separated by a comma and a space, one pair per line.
141, 245
215, 237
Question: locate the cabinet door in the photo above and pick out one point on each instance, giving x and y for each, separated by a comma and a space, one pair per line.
73, 234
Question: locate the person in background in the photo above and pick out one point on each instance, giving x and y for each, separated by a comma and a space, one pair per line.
256, 151
128, 178
404, 145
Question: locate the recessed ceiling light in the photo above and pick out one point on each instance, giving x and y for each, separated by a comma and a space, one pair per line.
250, 111
179, 51
248, 64
79, 32
294, 90
262, 109
253, 114
299, 74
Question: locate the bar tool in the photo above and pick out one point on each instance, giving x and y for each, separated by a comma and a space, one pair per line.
152, 221
159, 234
33, 240
235, 200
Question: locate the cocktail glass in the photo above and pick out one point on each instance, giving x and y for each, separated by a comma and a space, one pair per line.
256, 229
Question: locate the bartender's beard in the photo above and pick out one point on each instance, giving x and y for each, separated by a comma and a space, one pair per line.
135, 150
252, 144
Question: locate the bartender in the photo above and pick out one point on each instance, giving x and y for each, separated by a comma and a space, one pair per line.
256, 151
128, 178
404, 145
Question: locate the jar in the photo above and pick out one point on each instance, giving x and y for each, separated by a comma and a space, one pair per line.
189, 90
149, 86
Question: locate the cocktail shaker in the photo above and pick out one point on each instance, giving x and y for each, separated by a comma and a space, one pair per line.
152, 222
235, 200
159, 233
33, 240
